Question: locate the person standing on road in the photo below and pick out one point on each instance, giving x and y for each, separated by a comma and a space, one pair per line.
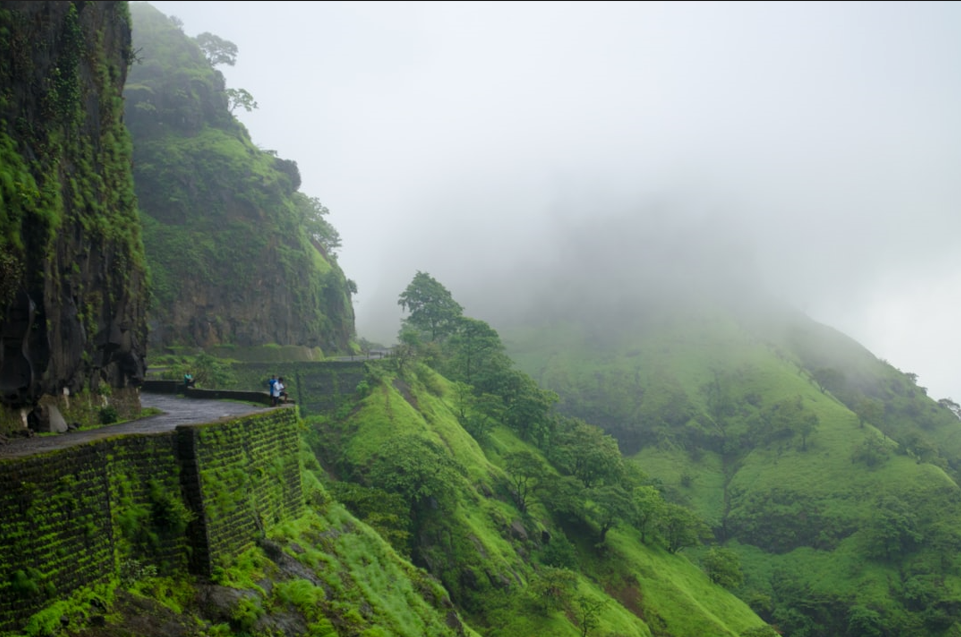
281, 390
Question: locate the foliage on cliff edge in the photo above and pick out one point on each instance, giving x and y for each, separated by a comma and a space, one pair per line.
238, 255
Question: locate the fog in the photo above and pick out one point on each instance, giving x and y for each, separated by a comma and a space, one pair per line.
815, 146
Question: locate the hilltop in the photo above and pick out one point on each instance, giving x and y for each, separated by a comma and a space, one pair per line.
830, 473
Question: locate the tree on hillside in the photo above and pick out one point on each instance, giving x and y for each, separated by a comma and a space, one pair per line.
472, 344
869, 410
829, 379
312, 218
240, 97
585, 451
551, 589
527, 406
648, 509
216, 49
607, 505
894, 529
526, 471
419, 470
431, 306
723, 566
681, 528
951, 406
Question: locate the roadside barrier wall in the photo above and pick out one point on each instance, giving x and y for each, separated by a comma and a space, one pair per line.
181, 501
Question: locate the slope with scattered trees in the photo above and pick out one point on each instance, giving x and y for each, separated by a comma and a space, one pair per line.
532, 521
829, 473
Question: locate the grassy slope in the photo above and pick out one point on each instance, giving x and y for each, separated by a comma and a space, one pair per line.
323, 574
646, 591
817, 490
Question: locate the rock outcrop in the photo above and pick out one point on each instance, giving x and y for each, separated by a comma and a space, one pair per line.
72, 269
237, 254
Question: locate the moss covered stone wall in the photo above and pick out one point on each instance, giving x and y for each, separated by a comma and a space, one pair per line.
247, 479
183, 500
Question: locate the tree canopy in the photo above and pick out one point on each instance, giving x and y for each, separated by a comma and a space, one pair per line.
431, 306
217, 50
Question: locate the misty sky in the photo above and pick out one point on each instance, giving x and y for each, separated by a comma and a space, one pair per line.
470, 140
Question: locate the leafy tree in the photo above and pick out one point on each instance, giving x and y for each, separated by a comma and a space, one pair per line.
217, 50
607, 505
562, 495
312, 218
723, 566
719, 398
587, 452
477, 414
648, 509
240, 97
872, 451
587, 613
805, 425
681, 528
552, 589
894, 529
829, 379
525, 470
419, 470
951, 406
527, 406
869, 410
431, 306
405, 352
787, 418
472, 346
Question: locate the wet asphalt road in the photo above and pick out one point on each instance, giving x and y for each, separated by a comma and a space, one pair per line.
177, 411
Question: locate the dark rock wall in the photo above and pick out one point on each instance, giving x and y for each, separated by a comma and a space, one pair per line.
73, 314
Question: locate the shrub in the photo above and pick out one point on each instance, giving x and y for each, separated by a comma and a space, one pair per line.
108, 415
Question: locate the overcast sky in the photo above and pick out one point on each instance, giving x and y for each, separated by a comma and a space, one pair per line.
470, 139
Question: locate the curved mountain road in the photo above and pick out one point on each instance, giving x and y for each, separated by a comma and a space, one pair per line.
177, 411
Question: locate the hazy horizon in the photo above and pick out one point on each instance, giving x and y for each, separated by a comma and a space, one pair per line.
475, 140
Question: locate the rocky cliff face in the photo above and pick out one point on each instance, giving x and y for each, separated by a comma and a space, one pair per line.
72, 273
225, 228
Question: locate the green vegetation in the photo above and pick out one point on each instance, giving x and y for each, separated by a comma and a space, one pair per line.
827, 477
223, 219
531, 521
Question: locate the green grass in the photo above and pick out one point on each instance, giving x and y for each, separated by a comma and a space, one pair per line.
651, 386
479, 533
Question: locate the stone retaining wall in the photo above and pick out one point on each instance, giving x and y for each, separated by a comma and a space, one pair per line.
186, 500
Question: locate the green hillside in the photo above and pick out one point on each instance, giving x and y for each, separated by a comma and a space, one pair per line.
502, 565
238, 255
828, 471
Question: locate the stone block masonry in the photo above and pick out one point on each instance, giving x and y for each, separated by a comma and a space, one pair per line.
182, 501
